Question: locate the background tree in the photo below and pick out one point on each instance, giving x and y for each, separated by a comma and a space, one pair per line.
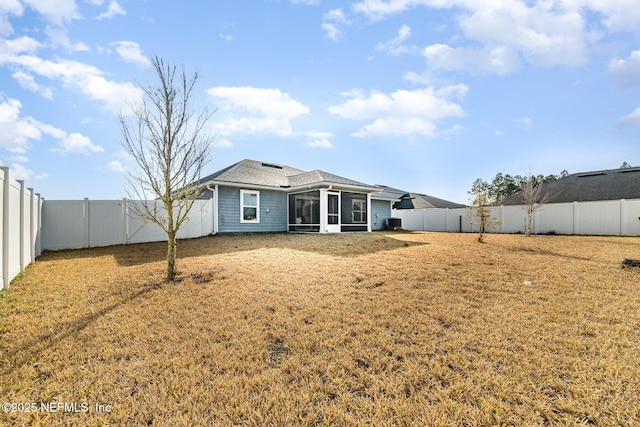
170, 144
533, 198
625, 165
505, 185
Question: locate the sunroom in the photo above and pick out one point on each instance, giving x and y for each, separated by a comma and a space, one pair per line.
328, 210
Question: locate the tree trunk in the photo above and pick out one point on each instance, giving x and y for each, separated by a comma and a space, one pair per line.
171, 256
529, 222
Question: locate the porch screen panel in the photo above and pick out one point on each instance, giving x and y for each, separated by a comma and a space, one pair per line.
354, 208
304, 211
332, 209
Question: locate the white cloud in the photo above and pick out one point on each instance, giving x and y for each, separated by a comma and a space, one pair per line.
526, 122
20, 172
543, 33
380, 9
117, 97
394, 46
114, 9
130, 52
19, 159
618, 15
26, 81
267, 111
331, 30
626, 71
223, 143
18, 132
401, 113
319, 140
9, 7
22, 44
476, 61
631, 119
332, 23
116, 166
57, 12
76, 143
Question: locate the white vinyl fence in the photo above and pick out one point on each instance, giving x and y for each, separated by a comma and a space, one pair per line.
20, 225
612, 217
85, 223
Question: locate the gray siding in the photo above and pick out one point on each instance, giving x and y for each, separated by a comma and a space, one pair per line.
229, 212
380, 212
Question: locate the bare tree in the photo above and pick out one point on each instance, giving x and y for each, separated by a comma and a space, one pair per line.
480, 208
170, 144
533, 197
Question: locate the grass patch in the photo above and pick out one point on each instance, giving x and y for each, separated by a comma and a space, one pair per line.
351, 329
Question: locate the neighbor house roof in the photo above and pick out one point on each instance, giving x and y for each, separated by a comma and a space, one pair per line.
387, 193
422, 201
612, 184
256, 173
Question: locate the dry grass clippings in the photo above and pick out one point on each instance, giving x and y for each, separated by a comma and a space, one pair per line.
350, 329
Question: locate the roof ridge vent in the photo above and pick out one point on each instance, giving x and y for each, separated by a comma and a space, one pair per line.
629, 170
584, 175
270, 165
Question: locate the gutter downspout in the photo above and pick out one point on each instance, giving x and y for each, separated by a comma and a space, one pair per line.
215, 207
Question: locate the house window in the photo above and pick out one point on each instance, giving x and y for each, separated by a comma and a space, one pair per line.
249, 206
359, 211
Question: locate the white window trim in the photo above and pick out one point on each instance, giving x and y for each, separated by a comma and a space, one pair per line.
242, 206
363, 212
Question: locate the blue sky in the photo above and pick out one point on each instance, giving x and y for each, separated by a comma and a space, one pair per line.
423, 95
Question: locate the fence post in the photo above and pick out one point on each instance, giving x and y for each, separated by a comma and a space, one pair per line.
85, 210
124, 221
39, 225
5, 228
32, 239
21, 212
622, 216
446, 219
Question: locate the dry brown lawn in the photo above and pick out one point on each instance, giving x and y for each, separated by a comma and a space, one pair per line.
353, 329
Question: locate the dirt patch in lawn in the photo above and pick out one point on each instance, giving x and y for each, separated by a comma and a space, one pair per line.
352, 329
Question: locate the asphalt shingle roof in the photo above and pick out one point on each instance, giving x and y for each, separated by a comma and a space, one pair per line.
254, 172
612, 184
275, 175
422, 201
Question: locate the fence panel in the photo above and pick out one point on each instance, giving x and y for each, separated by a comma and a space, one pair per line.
63, 224
106, 222
598, 218
14, 230
72, 224
555, 218
19, 227
630, 218
616, 217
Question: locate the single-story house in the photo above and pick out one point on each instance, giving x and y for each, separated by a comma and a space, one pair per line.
254, 196
612, 184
